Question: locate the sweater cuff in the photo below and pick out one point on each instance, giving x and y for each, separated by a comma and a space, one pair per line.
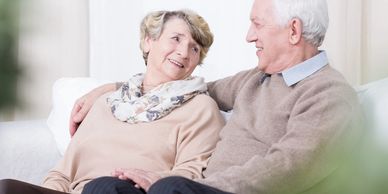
182, 173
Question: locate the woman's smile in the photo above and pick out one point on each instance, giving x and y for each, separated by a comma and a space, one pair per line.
180, 65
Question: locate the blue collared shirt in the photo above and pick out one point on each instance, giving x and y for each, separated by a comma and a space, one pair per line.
302, 70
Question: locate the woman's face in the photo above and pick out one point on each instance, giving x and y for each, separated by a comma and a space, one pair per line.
174, 55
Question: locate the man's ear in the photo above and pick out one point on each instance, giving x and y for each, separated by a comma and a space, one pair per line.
296, 27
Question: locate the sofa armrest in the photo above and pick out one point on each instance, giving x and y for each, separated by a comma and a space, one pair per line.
27, 150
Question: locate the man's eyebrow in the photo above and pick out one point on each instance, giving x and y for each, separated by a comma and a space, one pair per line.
256, 19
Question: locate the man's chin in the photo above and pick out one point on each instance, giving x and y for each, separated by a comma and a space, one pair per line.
260, 67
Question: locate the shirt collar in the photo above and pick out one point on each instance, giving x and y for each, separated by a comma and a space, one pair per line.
302, 70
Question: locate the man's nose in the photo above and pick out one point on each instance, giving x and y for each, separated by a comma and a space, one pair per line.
251, 35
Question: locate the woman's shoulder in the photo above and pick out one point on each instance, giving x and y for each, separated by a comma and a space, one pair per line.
201, 108
203, 98
202, 101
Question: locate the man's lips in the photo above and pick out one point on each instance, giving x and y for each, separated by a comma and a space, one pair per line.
259, 49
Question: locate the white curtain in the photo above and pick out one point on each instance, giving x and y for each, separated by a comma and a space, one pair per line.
357, 39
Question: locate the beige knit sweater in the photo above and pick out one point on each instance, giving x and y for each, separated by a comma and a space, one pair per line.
178, 144
282, 139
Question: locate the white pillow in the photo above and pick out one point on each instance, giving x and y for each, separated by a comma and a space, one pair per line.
65, 92
374, 100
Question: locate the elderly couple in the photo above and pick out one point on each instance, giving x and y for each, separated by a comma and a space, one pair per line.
294, 117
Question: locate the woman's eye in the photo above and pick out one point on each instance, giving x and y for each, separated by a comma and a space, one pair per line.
195, 49
176, 38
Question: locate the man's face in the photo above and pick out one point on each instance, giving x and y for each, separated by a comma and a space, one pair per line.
271, 40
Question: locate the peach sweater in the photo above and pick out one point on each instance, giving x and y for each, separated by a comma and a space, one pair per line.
177, 144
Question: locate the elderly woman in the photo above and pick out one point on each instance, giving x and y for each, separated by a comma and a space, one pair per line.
160, 121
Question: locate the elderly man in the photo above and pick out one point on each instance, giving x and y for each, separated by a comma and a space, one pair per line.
294, 117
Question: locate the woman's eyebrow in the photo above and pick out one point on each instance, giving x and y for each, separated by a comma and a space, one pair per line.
178, 34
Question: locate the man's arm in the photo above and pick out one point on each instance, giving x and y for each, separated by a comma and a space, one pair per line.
307, 154
224, 91
82, 105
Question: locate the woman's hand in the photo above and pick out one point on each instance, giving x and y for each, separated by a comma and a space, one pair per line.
82, 105
142, 178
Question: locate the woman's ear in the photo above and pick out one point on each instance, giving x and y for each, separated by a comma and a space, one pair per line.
147, 44
296, 27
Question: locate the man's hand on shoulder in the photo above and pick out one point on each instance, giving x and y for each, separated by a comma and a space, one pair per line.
84, 104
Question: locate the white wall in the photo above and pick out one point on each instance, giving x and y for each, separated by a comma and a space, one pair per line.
356, 40
115, 36
53, 43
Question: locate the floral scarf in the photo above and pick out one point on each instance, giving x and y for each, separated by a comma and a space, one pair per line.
128, 104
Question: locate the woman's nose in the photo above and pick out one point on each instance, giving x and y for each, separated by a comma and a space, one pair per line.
183, 51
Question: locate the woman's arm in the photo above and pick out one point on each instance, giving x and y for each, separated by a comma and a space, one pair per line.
59, 178
196, 138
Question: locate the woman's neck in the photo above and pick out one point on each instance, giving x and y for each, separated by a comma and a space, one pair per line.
150, 82
146, 87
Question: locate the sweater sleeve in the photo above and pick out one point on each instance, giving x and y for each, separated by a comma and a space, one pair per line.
224, 91
196, 138
318, 138
58, 178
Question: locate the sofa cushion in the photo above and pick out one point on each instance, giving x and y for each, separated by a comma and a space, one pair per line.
374, 100
65, 92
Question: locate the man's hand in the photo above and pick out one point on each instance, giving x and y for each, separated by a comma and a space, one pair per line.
80, 109
142, 178
82, 105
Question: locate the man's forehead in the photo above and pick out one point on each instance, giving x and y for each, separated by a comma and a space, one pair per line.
261, 11
258, 15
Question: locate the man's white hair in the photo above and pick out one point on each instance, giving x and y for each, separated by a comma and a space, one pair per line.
312, 13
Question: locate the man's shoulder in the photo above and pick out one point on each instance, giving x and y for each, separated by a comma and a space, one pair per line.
327, 76
329, 81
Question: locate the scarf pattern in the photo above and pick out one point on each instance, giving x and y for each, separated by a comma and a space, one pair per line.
129, 104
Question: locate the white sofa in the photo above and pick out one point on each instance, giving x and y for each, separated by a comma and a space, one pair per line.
30, 148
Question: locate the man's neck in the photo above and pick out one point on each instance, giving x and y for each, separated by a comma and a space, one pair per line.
296, 55
302, 54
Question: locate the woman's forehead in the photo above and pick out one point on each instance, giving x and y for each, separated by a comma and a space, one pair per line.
178, 26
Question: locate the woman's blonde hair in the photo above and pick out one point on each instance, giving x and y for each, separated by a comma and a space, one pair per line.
153, 23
